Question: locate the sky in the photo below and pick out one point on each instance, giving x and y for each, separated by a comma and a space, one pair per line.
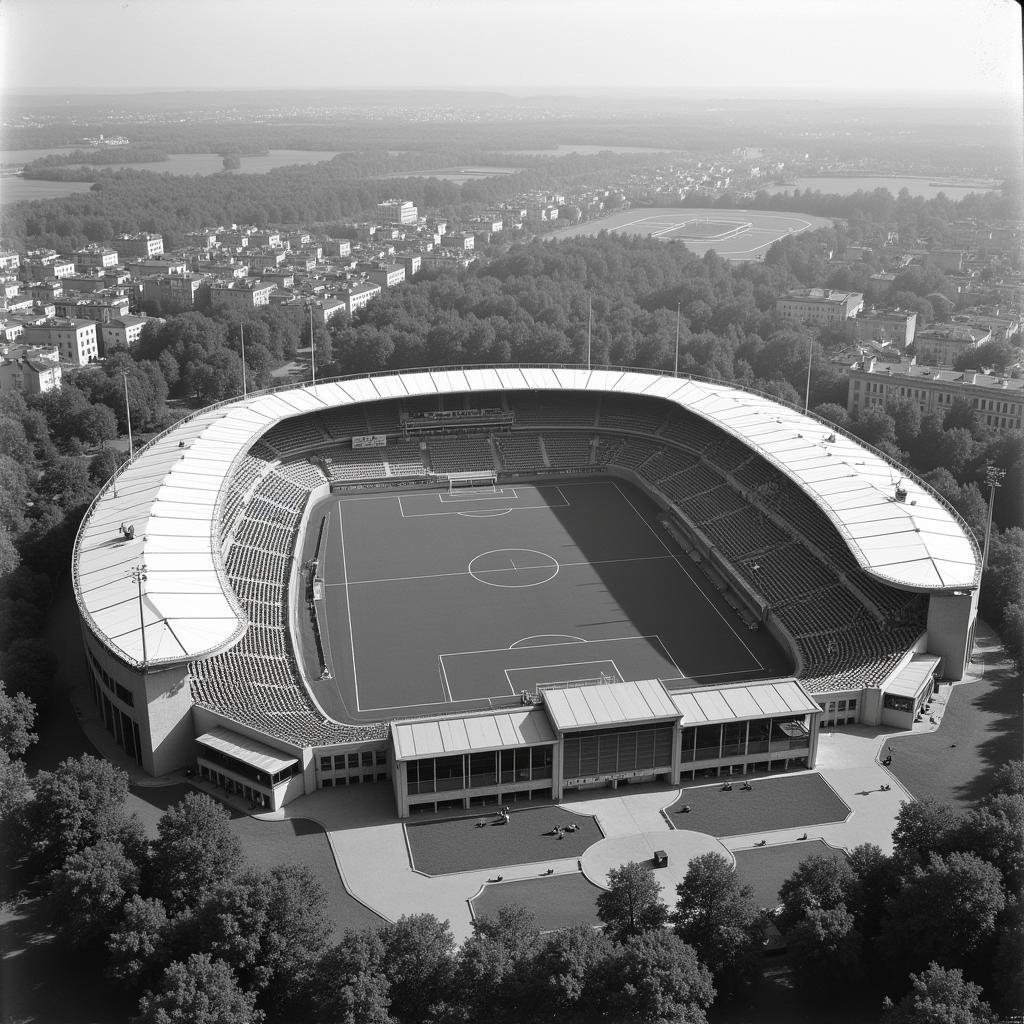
963, 47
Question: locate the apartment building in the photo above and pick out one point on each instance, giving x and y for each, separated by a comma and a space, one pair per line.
95, 257
142, 246
824, 307
943, 344
387, 275
358, 296
98, 307
894, 327
122, 332
998, 401
175, 291
30, 370
76, 340
241, 295
397, 211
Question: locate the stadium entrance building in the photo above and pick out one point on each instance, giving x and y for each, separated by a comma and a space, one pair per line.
601, 735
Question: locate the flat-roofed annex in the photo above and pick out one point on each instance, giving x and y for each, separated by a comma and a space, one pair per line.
172, 493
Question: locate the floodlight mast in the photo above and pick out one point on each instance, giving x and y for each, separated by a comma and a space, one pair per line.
993, 477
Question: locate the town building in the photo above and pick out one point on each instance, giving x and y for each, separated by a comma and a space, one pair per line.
387, 275
358, 296
122, 332
894, 327
397, 211
173, 292
143, 246
98, 307
75, 339
945, 343
241, 295
95, 257
825, 307
998, 401
161, 264
9, 261
30, 370
40, 264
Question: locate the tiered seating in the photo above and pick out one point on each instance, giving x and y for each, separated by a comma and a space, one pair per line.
755, 472
707, 506
345, 422
257, 682
727, 455
382, 418
626, 452
555, 409
744, 530
567, 451
354, 463
295, 435
685, 483
692, 432
242, 483
302, 473
520, 452
617, 413
459, 454
404, 458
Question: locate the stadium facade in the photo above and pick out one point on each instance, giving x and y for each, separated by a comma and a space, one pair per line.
193, 588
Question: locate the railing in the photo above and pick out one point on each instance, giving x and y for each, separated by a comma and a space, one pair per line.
463, 367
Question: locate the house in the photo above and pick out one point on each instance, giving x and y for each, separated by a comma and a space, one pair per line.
825, 307
30, 370
895, 327
75, 339
122, 332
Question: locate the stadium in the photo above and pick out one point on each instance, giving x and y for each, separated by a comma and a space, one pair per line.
487, 585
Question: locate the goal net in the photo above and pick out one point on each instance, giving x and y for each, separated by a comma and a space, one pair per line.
484, 478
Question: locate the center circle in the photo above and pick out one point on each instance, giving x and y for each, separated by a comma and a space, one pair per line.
513, 568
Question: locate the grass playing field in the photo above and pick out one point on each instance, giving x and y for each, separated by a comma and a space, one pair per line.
438, 601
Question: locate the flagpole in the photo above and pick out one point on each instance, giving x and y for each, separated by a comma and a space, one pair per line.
312, 344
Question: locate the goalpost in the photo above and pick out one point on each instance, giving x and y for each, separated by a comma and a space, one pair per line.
475, 478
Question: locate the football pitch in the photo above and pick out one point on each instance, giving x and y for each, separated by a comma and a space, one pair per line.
436, 601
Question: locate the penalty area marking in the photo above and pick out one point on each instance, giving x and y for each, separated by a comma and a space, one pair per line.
559, 638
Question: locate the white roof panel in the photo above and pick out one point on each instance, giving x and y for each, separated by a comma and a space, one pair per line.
258, 755
737, 701
440, 736
608, 704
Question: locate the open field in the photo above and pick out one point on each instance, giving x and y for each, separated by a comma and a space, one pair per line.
556, 902
733, 234
437, 601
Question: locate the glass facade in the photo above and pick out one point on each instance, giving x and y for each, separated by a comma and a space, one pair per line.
478, 770
612, 751
742, 739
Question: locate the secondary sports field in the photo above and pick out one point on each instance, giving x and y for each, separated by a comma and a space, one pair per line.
436, 601
733, 234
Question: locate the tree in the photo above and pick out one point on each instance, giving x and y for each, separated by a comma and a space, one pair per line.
89, 892
9, 557
940, 996
825, 950
17, 716
993, 832
569, 971
200, 990
194, 853
347, 985
77, 806
925, 924
419, 964
924, 827
834, 413
103, 465
658, 978
137, 948
495, 977
716, 914
822, 881
28, 663
1009, 779
875, 426
631, 905
95, 424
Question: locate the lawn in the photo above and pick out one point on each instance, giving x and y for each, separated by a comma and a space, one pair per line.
766, 868
981, 729
556, 902
785, 802
446, 847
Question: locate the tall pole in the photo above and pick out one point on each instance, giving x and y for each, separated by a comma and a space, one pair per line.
676, 368
128, 414
312, 344
241, 334
807, 392
590, 325
993, 477
138, 574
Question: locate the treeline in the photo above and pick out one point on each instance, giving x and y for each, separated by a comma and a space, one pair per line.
185, 926
54, 166
345, 188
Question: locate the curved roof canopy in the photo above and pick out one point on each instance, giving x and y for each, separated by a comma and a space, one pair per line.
172, 491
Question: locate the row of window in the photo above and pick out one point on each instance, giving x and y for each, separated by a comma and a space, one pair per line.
471, 771
354, 762
122, 693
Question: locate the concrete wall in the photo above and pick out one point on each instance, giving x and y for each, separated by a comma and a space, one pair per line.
951, 630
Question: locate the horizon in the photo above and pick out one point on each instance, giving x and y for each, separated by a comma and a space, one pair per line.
970, 48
